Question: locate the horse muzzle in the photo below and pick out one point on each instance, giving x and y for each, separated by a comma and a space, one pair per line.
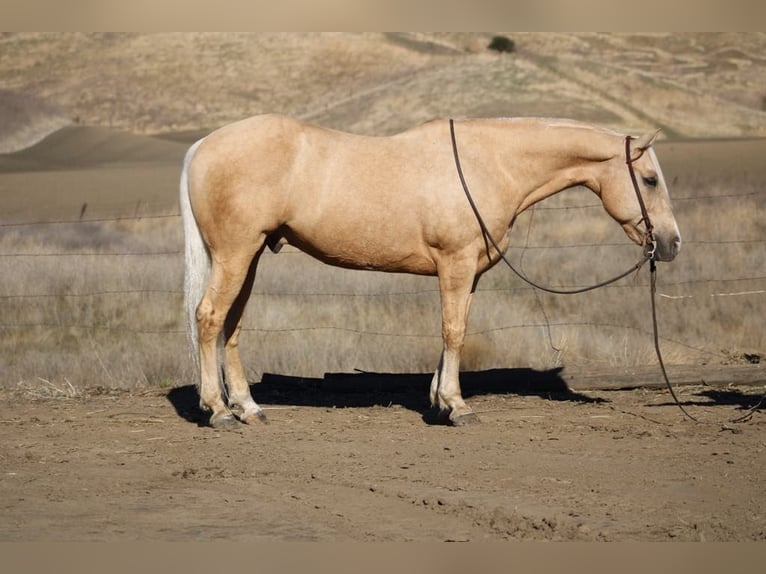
664, 247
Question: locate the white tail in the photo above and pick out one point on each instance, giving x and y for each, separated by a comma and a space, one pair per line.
197, 260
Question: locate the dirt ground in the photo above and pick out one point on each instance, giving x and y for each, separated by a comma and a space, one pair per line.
360, 458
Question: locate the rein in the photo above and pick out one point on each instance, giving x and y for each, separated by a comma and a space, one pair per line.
650, 248
648, 254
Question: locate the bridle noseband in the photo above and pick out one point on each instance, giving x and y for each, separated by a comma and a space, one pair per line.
650, 244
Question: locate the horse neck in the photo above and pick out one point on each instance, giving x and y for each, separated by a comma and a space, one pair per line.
543, 157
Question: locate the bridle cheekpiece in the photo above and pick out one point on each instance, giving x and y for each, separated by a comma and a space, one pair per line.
650, 244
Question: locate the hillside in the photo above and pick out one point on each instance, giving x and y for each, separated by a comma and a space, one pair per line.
692, 85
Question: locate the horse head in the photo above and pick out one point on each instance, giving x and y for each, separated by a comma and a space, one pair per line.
635, 177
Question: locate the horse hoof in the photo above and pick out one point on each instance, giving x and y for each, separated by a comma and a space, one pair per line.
225, 422
465, 420
254, 417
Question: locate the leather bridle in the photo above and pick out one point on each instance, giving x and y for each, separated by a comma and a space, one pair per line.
650, 245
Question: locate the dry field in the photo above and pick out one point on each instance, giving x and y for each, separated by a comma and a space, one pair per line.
693, 85
100, 414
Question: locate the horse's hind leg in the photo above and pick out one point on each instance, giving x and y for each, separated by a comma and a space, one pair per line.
241, 401
227, 278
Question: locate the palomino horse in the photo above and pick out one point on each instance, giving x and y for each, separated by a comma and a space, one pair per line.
386, 203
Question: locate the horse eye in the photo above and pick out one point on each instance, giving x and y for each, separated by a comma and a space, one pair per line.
651, 181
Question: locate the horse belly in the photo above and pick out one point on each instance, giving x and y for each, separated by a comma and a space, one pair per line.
362, 245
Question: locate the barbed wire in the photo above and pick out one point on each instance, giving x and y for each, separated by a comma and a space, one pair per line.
541, 207
94, 254
123, 330
380, 294
432, 292
89, 220
294, 251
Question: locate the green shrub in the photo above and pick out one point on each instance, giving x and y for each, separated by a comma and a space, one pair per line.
502, 44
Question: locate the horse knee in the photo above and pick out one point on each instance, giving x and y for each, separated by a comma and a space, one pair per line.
453, 336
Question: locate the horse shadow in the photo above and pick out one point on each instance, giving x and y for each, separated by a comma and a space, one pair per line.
409, 390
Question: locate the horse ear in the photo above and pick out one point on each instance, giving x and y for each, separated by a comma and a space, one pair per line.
645, 141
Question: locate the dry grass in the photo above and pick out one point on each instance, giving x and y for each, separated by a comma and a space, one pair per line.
79, 309
115, 320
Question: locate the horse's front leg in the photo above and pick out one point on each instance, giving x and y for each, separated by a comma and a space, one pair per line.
456, 291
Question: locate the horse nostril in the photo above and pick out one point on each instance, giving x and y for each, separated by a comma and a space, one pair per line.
675, 247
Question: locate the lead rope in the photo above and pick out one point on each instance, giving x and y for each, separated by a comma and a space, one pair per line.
649, 255
656, 337
743, 418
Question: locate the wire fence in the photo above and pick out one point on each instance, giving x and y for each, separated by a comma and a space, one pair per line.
716, 297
